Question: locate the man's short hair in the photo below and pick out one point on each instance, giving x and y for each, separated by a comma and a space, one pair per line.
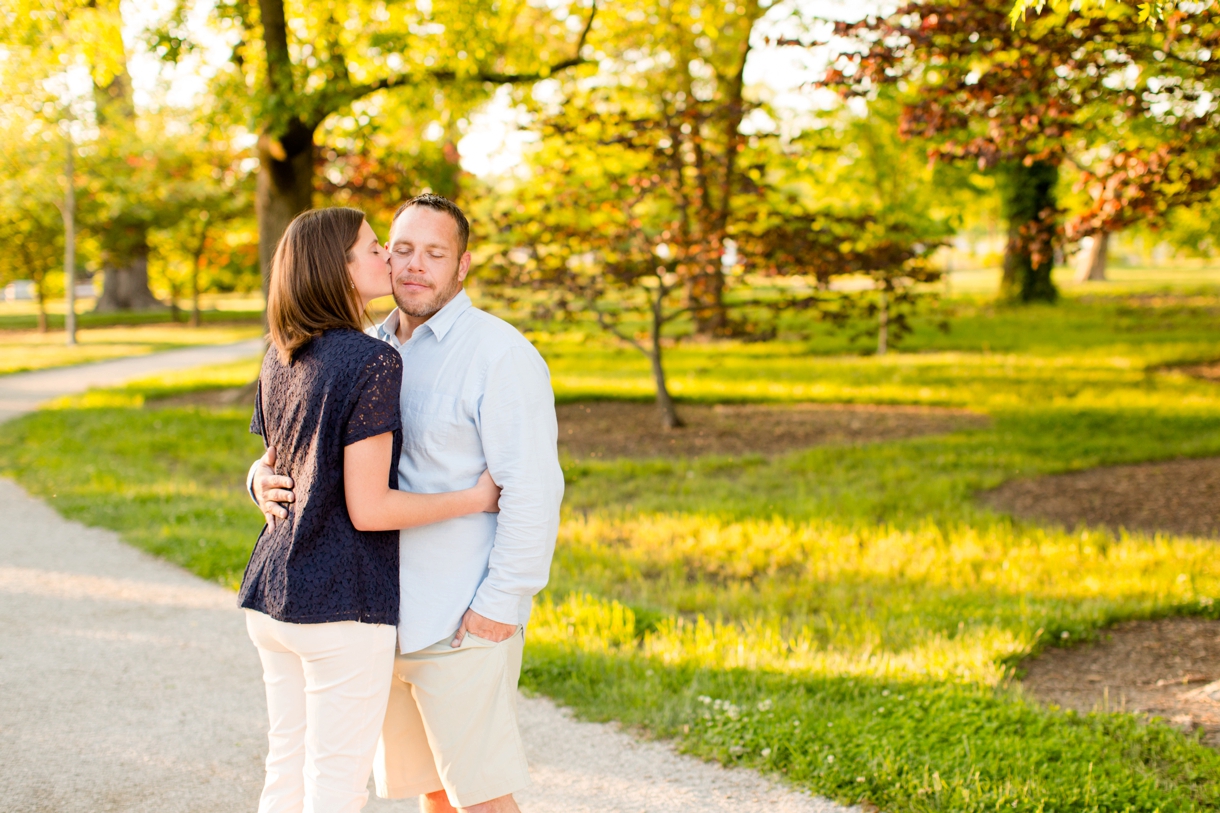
440, 204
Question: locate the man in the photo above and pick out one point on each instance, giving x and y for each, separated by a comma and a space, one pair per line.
475, 395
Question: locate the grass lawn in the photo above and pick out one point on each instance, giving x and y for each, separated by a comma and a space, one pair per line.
845, 616
22, 350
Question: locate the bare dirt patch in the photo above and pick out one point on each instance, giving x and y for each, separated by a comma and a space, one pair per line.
1179, 496
609, 429
1168, 668
236, 398
1207, 371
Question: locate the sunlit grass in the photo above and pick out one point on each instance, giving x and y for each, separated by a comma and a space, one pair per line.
30, 350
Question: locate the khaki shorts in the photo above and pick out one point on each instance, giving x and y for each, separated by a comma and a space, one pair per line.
451, 723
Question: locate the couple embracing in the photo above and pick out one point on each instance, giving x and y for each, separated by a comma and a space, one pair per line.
411, 487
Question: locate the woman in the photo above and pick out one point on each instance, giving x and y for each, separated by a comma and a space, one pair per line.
321, 588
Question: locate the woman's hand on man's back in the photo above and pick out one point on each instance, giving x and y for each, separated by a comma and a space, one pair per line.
488, 493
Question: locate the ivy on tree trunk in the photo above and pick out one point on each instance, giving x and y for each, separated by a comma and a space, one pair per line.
1029, 206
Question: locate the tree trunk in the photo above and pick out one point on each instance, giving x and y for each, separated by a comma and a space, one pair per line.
705, 297
43, 327
284, 189
665, 402
125, 284
883, 327
125, 270
196, 317
706, 293
1029, 207
1092, 264
69, 215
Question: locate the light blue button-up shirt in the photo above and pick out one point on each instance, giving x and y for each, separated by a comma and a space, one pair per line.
475, 395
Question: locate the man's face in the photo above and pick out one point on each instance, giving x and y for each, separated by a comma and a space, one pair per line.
427, 264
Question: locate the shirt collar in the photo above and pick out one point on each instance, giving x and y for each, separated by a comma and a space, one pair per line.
444, 319
387, 331
439, 324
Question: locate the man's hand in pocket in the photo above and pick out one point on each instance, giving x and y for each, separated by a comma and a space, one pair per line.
483, 628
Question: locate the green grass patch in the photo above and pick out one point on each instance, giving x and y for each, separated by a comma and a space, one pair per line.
846, 617
90, 320
21, 351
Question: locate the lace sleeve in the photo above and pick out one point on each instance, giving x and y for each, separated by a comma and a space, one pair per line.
376, 407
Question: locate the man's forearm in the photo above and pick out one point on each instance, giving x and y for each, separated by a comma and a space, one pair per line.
250, 480
519, 432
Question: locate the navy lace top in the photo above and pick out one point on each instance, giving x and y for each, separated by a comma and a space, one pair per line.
342, 387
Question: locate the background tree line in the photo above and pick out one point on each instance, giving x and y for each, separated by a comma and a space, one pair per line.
665, 194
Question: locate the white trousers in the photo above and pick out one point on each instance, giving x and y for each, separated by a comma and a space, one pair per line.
327, 689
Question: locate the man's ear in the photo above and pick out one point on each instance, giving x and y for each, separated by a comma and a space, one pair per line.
464, 267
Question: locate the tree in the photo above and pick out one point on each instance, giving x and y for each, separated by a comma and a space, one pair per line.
574, 243
608, 227
295, 65
201, 246
128, 217
1117, 99
671, 89
30, 224
126, 192
38, 117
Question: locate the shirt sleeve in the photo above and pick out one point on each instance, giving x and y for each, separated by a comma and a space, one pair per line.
520, 435
375, 408
256, 420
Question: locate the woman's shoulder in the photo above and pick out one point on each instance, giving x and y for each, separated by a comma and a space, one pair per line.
356, 351
353, 343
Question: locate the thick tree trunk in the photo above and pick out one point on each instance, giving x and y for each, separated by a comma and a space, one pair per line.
125, 271
125, 284
1029, 206
284, 189
1092, 263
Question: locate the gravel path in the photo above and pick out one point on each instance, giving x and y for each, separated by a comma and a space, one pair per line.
127, 684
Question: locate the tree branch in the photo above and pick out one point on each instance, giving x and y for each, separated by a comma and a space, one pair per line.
607, 326
341, 97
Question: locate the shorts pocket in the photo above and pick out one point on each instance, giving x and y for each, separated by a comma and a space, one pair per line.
483, 642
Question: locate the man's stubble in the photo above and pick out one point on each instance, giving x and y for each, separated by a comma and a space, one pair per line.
426, 309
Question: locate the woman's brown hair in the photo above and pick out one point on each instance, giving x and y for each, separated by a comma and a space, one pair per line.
310, 288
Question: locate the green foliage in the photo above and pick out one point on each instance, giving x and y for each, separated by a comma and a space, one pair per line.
1153, 12
30, 221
